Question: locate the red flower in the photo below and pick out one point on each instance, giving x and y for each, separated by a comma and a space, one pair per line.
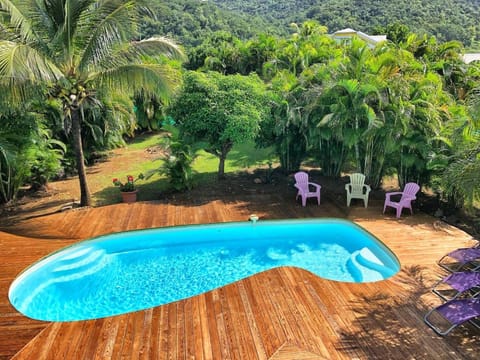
129, 185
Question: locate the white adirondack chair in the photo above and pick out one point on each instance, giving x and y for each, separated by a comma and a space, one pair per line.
357, 189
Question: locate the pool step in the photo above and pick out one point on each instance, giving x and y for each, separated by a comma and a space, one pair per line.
79, 262
73, 266
365, 266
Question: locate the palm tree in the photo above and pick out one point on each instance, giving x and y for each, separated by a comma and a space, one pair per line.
79, 49
354, 112
459, 178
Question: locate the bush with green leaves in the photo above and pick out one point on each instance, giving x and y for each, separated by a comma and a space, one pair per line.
178, 166
28, 154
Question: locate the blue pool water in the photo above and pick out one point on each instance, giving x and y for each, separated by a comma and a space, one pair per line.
124, 272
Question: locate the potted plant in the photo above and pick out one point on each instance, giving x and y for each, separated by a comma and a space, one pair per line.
128, 189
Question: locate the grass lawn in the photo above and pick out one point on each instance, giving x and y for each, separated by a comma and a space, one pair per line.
144, 155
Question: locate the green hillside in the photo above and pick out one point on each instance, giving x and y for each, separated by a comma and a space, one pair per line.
446, 19
189, 22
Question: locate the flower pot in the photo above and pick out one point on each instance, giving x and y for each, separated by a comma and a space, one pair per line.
129, 196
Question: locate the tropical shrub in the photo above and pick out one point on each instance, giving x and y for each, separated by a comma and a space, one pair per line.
28, 154
177, 165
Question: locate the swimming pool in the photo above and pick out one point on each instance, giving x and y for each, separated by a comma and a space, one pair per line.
130, 271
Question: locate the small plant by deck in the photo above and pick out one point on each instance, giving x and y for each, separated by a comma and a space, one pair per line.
128, 186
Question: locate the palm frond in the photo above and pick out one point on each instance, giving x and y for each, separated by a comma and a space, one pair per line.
21, 63
18, 20
68, 14
132, 77
110, 23
158, 44
138, 52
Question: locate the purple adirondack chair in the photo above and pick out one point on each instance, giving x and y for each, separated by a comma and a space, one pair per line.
458, 284
305, 188
407, 196
454, 313
463, 258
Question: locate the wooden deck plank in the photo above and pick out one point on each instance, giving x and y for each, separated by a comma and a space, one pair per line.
193, 345
273, 315
205, 341
211, 322
243, 339
252, 324
273, 335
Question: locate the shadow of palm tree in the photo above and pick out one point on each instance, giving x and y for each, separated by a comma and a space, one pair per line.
378, 314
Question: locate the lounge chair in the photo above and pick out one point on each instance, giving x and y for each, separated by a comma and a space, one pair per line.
407, 196
305, 188
458, 284
463, 259
357, 189
452, 314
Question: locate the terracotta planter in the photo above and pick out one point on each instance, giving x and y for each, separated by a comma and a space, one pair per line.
129, 197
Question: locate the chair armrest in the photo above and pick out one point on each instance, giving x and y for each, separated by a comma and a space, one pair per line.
315, 185
347, 186
389, 194
367, 187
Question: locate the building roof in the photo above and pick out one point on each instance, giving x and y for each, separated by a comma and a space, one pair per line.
468, 58
345, 31
348, 33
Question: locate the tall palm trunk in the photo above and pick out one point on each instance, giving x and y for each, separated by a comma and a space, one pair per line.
85, 199
357, 146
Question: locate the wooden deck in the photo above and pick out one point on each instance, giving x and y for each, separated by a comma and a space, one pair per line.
284, 313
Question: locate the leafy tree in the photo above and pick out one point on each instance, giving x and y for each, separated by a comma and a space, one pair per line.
396, 32
260, 51
220, 110
79, 48
220, 52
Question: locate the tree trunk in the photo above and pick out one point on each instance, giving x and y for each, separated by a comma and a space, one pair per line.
85, 199
221, 167
223, 156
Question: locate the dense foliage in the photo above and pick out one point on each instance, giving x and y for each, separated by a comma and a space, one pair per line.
408, 107
74, 51
28, 154
445, 19
380, 111
190, 21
